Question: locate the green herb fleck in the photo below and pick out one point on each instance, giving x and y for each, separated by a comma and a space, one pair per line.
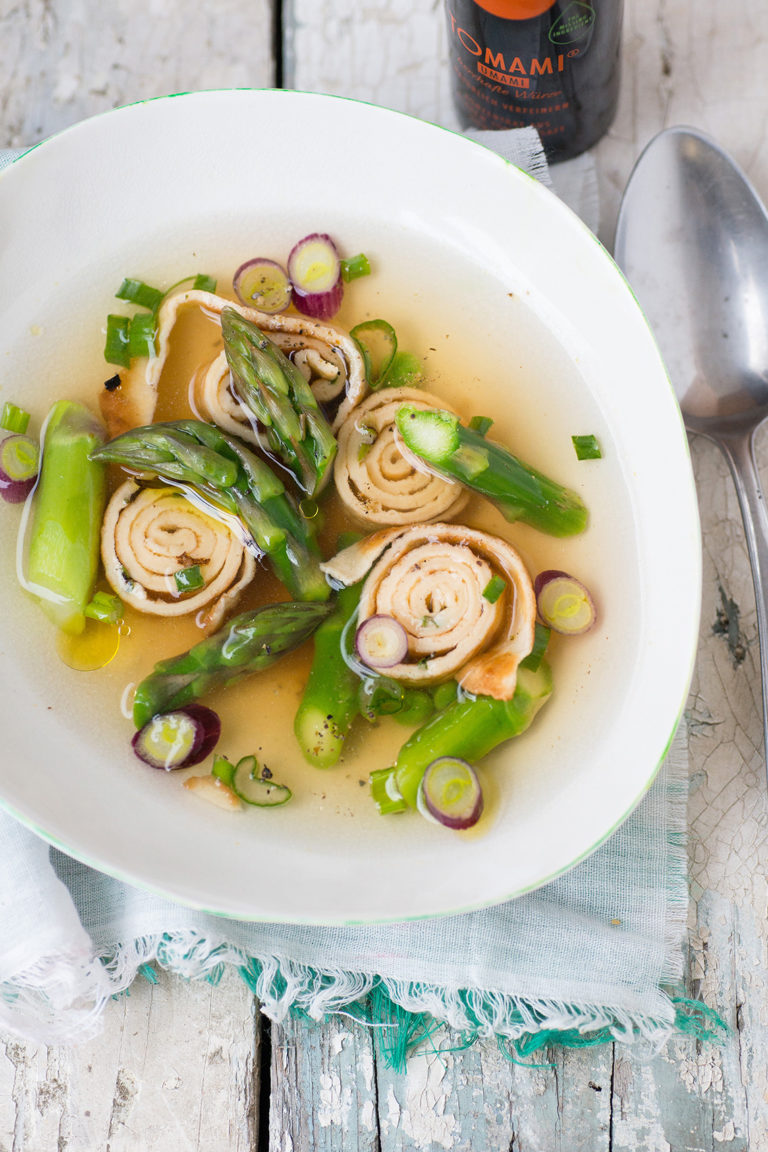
189, 579
587, 447
494, 589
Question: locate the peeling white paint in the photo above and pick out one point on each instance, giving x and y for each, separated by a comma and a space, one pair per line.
335, 1100
368, 1116
426, 1119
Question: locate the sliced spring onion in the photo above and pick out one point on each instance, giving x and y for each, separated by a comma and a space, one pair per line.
137, 292
204, 283
406, 371
481, 424
223, 769
141, 335
19, 457
255, 788
15, 491
314, 269
564, 603
105, 608
451, 792
494, 588
377, 341
189, 579
540, 641
380, 696
382, 793
587, 447
263, 284
14, 419
116, 343
355, 267
178, 739
381, 641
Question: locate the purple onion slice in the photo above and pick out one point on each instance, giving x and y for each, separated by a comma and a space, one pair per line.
178, 739
451, 793
564, 603
263, 284
381, 641
314, 269
15, 491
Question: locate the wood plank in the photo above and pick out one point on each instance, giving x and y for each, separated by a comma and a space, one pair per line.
175, 1067
64, 61
324, 1090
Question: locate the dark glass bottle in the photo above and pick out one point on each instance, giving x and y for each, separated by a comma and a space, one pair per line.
550, 63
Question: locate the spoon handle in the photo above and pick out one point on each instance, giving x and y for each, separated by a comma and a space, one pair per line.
739, 452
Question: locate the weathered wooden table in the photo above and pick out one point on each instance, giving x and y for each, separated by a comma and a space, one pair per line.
185, 1066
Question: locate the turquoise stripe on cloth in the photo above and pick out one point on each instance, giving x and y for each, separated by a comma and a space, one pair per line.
594, 956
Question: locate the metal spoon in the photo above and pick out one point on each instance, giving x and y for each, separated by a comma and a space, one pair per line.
692, 239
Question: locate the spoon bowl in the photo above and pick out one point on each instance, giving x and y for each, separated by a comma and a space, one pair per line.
692, 239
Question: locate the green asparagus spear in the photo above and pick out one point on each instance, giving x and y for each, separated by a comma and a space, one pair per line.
518, 491
471, 728
330, 700
281, 400
248, 643
229, 477
63, 552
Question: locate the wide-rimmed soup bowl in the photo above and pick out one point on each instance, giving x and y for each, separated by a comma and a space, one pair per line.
517, 313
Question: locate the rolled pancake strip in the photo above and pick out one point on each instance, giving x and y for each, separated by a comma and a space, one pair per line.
133, 403
377, 483
150, 534
215, 402
431, 578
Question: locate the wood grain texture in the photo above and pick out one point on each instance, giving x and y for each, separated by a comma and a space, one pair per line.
175, 1070
177, 1064
63, 60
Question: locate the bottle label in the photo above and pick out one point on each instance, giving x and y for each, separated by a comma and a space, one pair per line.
573, 24
516, 9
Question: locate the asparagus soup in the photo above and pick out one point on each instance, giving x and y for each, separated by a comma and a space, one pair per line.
531, 391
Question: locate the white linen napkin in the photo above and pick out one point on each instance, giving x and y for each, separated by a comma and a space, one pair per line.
583, 960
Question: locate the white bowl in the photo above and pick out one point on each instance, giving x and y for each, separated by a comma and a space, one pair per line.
481, 264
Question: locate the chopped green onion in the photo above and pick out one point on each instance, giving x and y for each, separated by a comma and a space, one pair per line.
204, 283
141, 335
189, 579
380, 696
540, 641
137, 292
14, 419
19, 457
309, 509
587, 447
385, 802
377, 341
406, 371
355, 267
480, 424
224, 769
105, 607
116, 344
494, 589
